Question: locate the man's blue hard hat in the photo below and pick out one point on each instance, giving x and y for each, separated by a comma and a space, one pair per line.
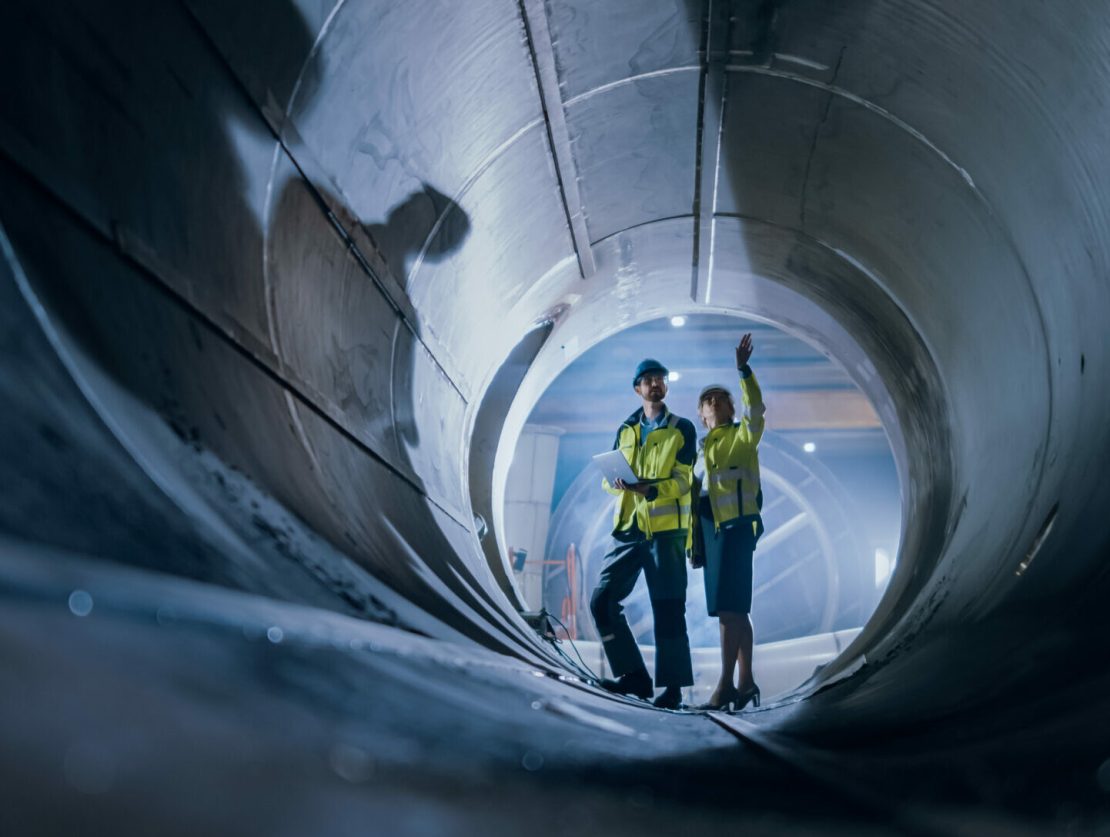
648, 365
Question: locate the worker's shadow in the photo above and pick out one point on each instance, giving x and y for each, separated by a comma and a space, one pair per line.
425, 228
427, 225
380, 377
337, 309
378, 366
193, 355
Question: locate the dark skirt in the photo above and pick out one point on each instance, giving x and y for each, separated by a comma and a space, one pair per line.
728, 564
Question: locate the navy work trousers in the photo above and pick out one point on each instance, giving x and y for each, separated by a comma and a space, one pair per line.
662, 559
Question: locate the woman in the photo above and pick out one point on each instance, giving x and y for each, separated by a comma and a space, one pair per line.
727, 479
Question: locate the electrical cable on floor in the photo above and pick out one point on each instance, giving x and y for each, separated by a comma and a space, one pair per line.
584, 675
584, 670
557, 642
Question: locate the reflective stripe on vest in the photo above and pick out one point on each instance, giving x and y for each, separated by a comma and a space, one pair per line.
668, 507
728, 508
660, 515
735, 472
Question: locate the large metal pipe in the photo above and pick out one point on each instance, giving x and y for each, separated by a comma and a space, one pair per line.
282, 280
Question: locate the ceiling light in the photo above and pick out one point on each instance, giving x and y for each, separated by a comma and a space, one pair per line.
678, 322
673, 376
809, 447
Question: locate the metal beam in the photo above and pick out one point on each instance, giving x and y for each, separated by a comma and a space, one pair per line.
543, 62
711, 106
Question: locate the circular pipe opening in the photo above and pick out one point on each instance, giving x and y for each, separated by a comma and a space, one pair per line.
815, 567
860, 326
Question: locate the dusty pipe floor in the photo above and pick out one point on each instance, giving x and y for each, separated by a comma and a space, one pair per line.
134, 702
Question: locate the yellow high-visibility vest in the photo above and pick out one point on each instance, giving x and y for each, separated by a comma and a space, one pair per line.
732, 460
667, 455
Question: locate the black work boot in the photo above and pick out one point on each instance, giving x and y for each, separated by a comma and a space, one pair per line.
636, 683
670, 699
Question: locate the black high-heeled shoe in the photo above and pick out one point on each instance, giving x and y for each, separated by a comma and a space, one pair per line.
733, 701
723, 702
742, 699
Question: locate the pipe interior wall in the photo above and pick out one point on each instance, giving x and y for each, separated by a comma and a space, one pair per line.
279, 253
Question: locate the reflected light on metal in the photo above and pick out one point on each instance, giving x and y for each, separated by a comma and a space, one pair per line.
882, 567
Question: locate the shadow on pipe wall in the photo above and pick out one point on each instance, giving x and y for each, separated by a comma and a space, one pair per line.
197, 278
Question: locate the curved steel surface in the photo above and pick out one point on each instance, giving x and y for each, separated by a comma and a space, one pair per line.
273, 272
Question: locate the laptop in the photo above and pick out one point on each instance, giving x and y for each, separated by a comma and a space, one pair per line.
615, 467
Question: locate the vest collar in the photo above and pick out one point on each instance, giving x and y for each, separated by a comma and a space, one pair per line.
719, 427
634, 419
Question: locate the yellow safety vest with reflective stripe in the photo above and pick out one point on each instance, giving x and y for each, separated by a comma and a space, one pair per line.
666, 455
732, 461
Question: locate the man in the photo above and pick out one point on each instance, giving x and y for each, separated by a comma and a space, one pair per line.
650, 525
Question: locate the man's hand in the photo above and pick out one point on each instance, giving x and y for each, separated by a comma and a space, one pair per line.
744, 351
636, 488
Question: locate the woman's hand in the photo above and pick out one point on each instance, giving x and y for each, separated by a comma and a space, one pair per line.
744, 351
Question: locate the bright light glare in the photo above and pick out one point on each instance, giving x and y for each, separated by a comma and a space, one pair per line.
809, 447
673, 376
678, 322
882, 567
